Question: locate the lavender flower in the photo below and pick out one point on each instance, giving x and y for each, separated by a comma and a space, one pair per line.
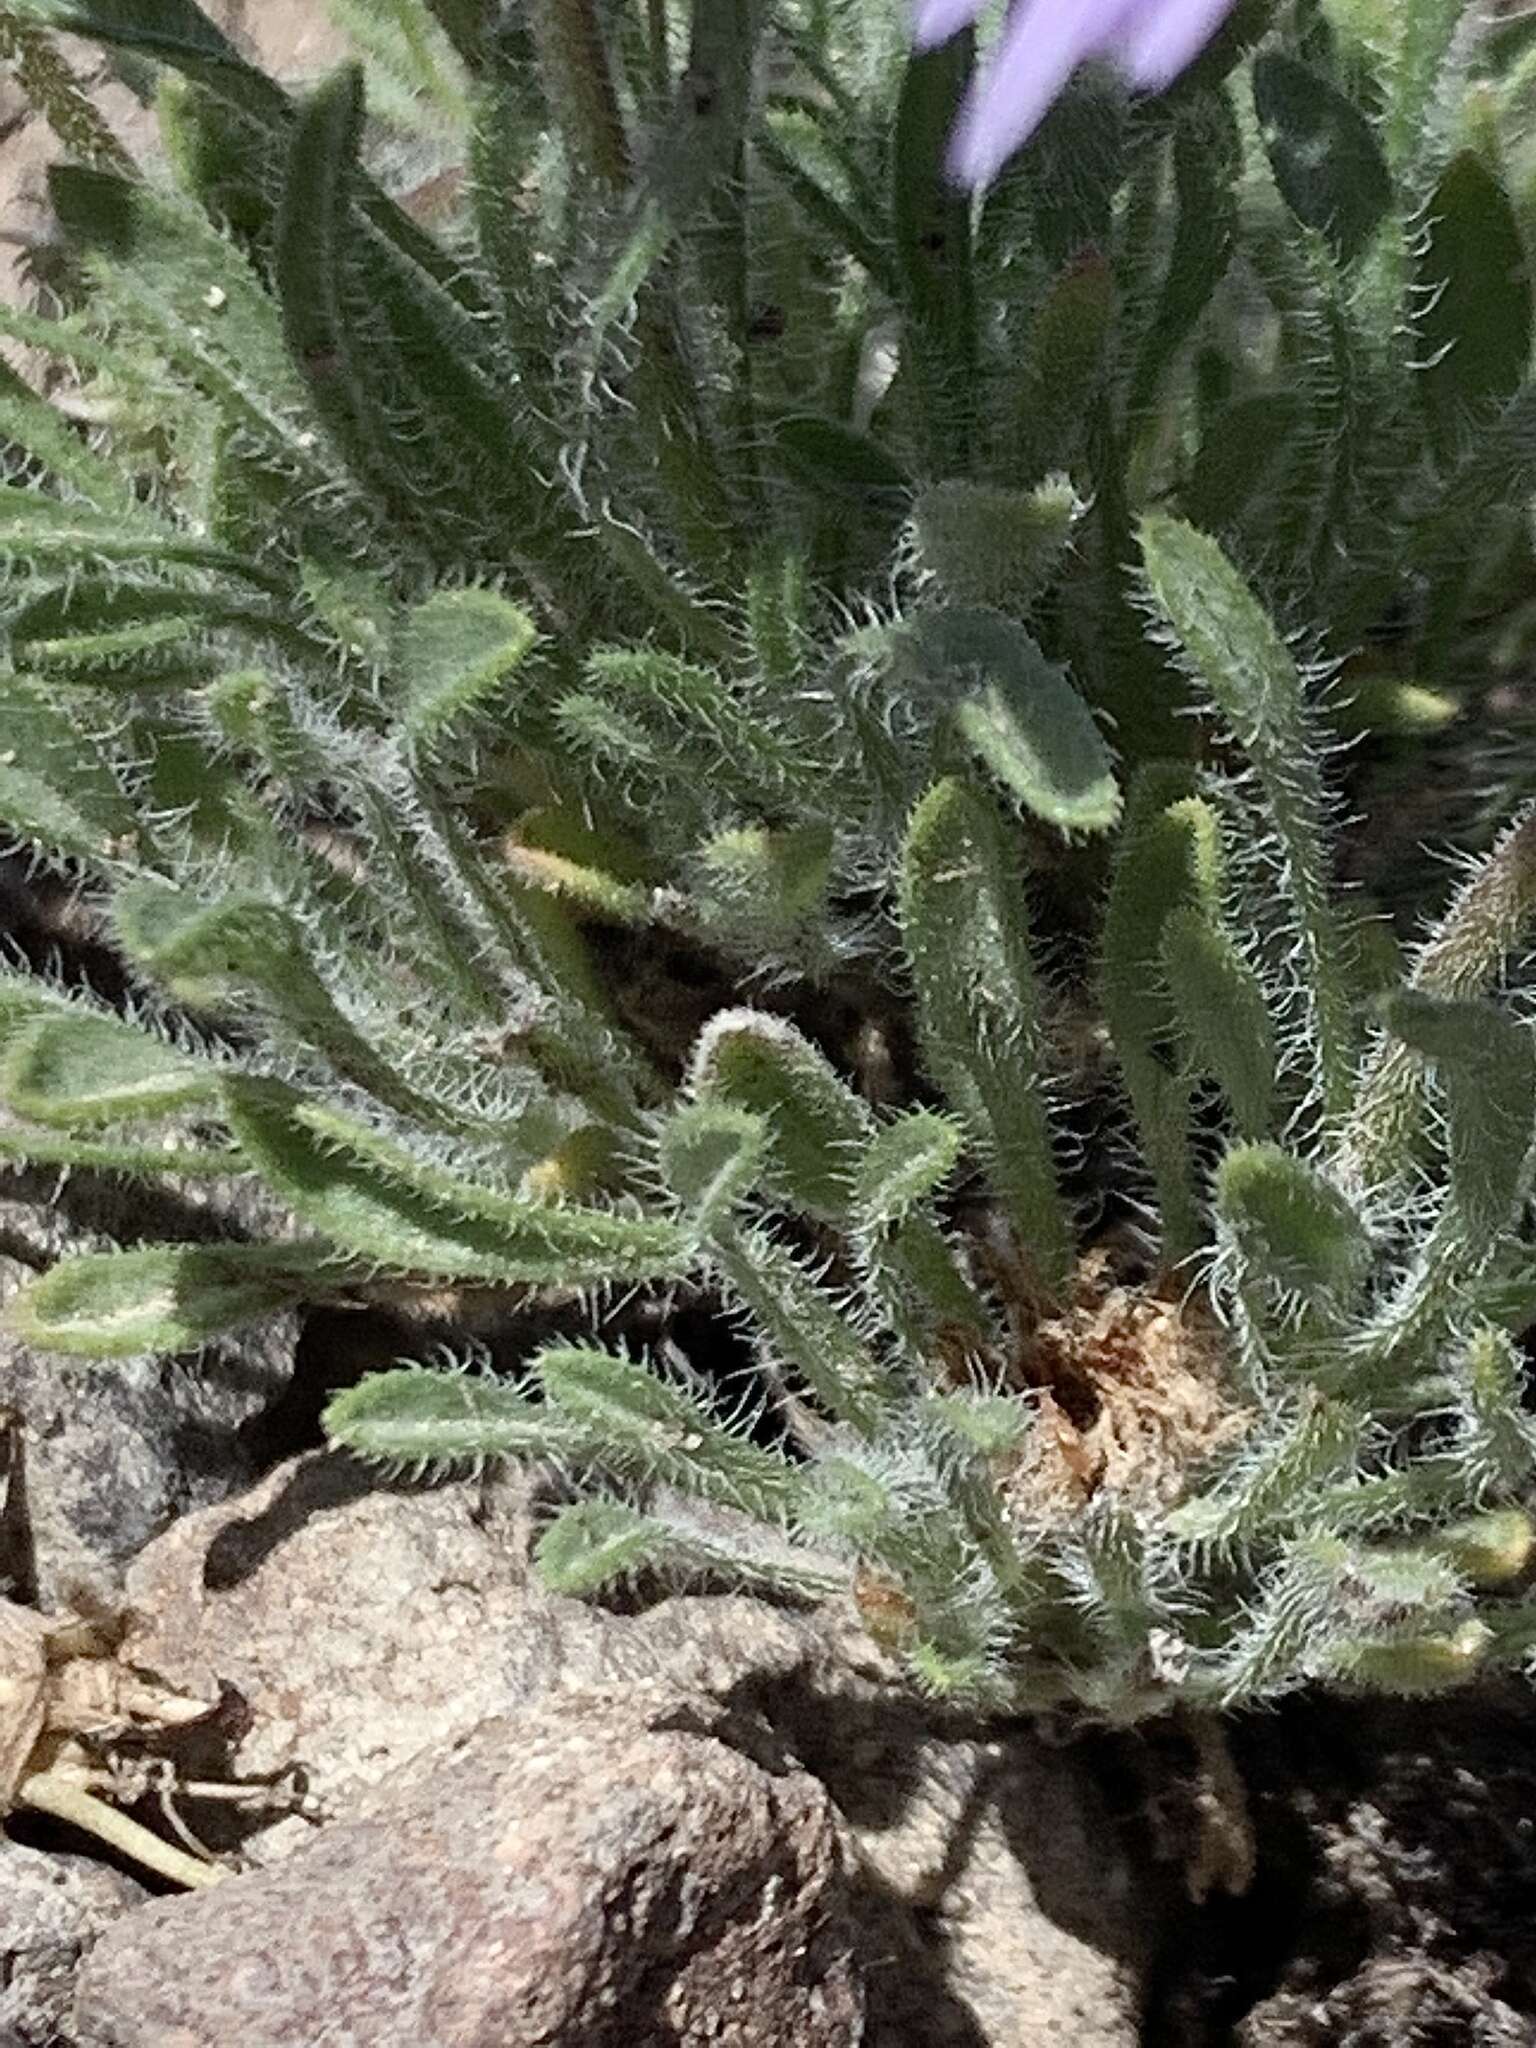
1042, 44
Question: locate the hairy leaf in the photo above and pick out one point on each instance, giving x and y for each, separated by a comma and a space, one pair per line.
1324, 155
1017, 712
76, 1071
962, 919
1291, 1226
816, 1123
422, 1420
378, 1204
161, 1299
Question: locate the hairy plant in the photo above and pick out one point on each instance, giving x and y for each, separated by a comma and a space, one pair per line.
724, 543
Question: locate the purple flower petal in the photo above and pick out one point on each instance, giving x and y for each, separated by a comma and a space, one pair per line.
937, 20
1168, 35
1043, 43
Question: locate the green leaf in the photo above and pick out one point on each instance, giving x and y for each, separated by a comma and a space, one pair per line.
1487, 1550
1016, 711
411, 382
1422, 53
26, 997
645, 1425
590, 890
757, 888
420, 1420
1292, 1227
161, 28
1486, 1064
681, 738
595, 1542
1073, 166
912, 1274
590, 1545
712, 1155
1207, 156
843, 1501
1065, 361
203, 953
945, 1674
1231, 644
777, 608
799, 1325
228, 167
171, 1161
1241, 454
311, 272
1462, 957
963, 924
453, 655
173, 276
904, 1165
380, 1204
1275, 1480
89, 622
258, 717
817, 1124
996, 1425
44, 431
932, 220
1495, 1438
1224, 1016
52, 92
58, 534
827, 456
76, 1071
1410, 1665
989, 546
162, 1299
409, 54
59, 786
1167, 857
468, 26
1474, 291
796, 151
180, 34
1323, 152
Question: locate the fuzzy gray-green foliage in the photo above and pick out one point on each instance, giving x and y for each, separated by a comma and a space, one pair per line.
722, 534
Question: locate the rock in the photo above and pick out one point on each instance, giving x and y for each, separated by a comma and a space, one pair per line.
293, 39
52, 1909
102, 1459
617, 1867
362, 1623
1032, 1924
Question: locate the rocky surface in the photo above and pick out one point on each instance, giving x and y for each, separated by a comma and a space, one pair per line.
362, 1622
364, 1628
53, 1908
614, 1867
1001, 1906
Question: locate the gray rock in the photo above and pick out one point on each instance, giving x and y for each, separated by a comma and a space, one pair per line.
52, 1909
610, 1869
363, 1624
1006, 1909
